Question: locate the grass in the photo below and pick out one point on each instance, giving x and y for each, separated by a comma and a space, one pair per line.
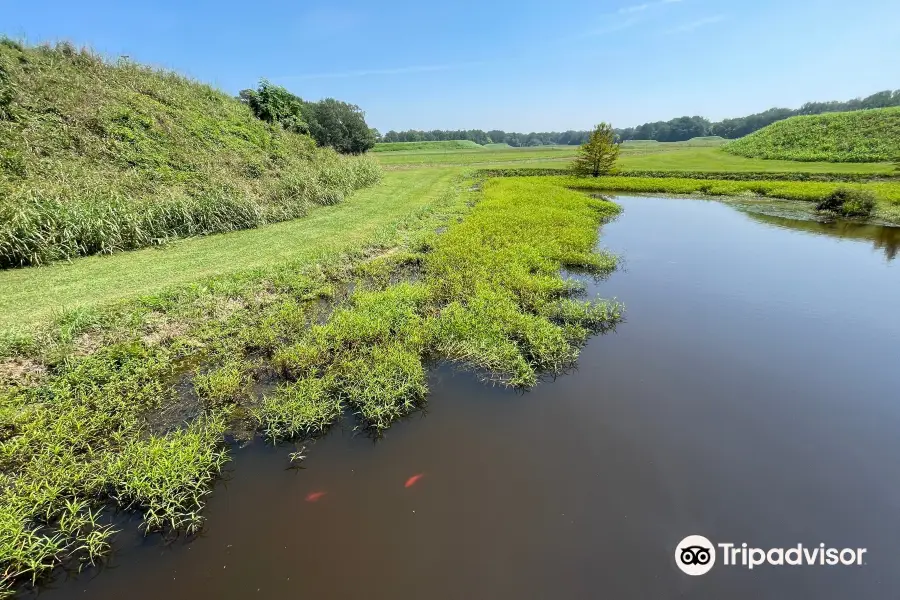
369, 217
87, 428
468, 157
716, 159
656, 157
703, 141
859, 136
417, 146
887, 194
98, 157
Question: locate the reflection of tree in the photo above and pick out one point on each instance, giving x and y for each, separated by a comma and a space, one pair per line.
889, 240
883, 238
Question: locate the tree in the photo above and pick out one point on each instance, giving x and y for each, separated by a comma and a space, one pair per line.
339, 125
598, 155
274, 104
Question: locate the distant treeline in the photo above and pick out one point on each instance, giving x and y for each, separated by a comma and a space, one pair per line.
676, 130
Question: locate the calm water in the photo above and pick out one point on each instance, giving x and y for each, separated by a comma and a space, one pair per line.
752, 396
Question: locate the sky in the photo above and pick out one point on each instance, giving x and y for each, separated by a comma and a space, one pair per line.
515, 65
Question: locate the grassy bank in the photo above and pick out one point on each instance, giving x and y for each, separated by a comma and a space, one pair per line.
98, 157
887, 193
127, 404
859, 136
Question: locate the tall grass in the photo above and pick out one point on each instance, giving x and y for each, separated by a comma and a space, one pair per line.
99, 157
859, 136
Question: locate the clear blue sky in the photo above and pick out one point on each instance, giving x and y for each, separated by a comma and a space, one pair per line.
517, 65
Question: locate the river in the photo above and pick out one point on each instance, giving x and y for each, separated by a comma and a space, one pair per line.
752, 395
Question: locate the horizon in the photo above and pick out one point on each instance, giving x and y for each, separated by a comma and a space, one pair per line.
664, 58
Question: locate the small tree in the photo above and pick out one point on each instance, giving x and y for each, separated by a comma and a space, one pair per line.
598, 155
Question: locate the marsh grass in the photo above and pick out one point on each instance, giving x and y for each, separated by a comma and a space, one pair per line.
487, 293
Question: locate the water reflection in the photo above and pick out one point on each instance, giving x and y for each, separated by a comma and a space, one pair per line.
882, 237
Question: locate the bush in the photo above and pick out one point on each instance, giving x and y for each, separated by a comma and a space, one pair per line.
848, 203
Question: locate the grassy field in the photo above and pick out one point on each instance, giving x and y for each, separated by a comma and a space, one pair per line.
716, 159
859, 136
652, 156
91, 414
98, 157
481, 156
418, 146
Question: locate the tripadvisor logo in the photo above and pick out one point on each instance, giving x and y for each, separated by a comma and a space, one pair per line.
696, 555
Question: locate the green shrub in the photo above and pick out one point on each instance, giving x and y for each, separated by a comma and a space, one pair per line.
848, 203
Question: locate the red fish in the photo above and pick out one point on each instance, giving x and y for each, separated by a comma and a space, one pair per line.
412, 480
315, 496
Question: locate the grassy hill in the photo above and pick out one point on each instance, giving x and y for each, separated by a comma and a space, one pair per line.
859, 136
98, 157
417, 146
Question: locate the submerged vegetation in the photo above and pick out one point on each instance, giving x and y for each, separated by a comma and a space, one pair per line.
128, 407
98, 157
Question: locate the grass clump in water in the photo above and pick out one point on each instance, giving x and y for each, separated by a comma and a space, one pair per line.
848, 202
300, 409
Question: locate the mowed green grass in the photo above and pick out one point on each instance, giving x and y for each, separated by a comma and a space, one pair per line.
635, 156
372, 216
416, 146
481, 156
716, 159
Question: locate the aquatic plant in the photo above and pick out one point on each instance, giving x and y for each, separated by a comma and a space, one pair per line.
102, 424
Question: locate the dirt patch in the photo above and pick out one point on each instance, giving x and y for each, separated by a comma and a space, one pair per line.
87, 343
21, 371
161, 330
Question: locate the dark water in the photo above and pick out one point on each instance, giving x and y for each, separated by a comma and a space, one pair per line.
752, 396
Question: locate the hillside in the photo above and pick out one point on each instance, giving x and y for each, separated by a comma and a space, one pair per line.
417, 146
98, 157
861, 136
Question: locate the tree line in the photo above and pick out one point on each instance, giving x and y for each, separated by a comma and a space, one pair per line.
674, 130
330, 122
